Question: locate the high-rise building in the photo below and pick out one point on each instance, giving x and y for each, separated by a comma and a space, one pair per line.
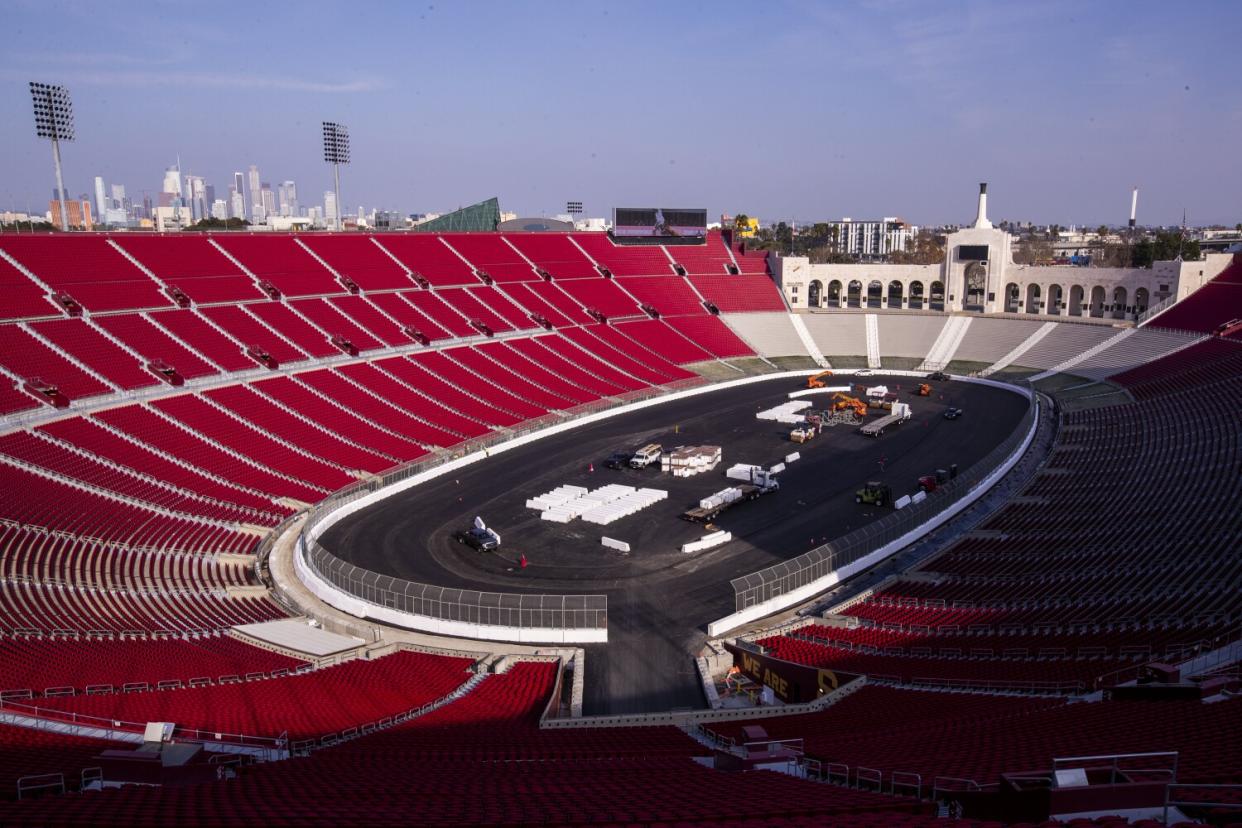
219, 210
118, 196
255, 188
237, 204
172, 182
288, 194
269, 199
196, 197
239, 187
329, 206
101, 196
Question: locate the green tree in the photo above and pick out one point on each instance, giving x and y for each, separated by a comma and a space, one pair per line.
219, 224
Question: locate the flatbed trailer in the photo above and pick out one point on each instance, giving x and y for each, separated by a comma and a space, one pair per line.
876, 427
749, 492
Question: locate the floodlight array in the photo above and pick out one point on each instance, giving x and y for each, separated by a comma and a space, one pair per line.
53, 111
335, 143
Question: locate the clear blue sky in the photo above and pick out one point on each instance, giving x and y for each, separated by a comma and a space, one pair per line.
795, 110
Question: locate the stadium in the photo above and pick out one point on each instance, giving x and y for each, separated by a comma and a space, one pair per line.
236, 467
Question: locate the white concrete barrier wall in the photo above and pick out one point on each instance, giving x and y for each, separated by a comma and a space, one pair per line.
355, 606
707, 542
806, 592
363, 609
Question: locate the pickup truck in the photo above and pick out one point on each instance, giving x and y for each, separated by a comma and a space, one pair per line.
484, 540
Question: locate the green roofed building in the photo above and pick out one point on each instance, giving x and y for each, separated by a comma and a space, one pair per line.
482, 216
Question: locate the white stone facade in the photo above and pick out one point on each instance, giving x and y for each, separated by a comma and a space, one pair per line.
991, 282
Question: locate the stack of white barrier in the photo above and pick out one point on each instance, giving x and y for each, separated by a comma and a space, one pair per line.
686, 461
602, 506
743, 471
557, 497
786, 412
624, 506
720, 498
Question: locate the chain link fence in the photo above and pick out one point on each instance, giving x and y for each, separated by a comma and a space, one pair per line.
794, 573
467, 606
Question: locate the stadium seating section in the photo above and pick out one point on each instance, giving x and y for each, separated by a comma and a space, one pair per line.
170, 399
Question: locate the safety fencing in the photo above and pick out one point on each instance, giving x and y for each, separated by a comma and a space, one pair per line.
787, 576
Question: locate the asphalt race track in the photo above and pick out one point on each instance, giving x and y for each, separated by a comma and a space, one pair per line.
659, 599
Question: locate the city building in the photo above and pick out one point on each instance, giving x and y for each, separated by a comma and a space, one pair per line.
101, 196
268, 198
255, 188
172, 182
287, 193
329, 206
79, 211
237, 196
871, 239
219, 209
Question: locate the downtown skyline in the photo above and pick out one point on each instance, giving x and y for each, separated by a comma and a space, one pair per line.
901, 114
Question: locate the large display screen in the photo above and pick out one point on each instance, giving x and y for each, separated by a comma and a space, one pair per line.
663, 222
972, 253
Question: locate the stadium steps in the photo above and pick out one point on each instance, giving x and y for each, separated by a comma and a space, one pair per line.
140, 475
172, 458
293, 412
873, 340
1018, 350
1085, 355
808, 341
63, 354
228, 412
180, 342
80, 485
381, 398
946, 345
216, 444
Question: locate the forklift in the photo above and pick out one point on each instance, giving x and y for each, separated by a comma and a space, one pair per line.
874, 493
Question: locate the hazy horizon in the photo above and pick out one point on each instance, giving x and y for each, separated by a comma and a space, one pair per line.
790, 110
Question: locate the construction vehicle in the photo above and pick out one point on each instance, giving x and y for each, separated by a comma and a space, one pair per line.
930, 482
901, 413
746, 491
646, 455
874, 493
817, 381
844, 402
923, 390
801, 435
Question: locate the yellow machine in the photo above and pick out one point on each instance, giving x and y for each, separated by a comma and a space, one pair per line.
817, 381
842, 402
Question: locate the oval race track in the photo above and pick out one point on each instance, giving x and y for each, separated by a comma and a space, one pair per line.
659, 599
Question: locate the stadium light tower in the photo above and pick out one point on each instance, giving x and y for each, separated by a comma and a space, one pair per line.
53, 114
336, 153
